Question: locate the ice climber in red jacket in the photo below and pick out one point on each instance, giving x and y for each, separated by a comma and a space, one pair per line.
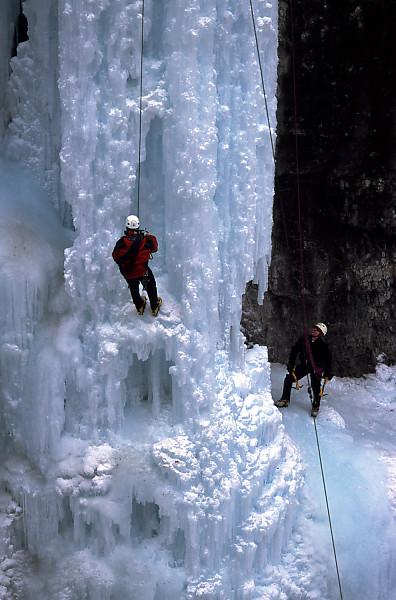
132, 253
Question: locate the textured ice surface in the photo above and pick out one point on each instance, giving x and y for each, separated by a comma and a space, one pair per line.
143, 458
356, 430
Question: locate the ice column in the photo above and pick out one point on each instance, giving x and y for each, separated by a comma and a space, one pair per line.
159, 465
33, 135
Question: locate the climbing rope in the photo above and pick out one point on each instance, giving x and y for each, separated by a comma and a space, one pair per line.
325, 492
267, 113
140, 109
262, 79
328, 510
302, 283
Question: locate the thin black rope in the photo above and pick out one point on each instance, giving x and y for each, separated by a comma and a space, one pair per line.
267, 113
262, 79
302, 282
328, 510
140, 109
325, 493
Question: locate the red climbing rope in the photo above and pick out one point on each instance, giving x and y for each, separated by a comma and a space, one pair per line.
302, 282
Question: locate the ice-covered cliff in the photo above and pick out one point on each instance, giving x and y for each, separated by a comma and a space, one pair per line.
143, 457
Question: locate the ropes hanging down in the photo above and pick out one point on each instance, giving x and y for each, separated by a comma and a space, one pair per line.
262, 78
267, 114
302, 279
298, 189
140, 110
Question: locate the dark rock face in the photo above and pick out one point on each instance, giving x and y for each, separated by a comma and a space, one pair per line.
20, 31
345, 99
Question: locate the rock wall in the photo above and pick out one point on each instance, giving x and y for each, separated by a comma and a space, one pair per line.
346, 128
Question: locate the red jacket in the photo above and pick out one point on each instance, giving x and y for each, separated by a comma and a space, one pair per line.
132, 253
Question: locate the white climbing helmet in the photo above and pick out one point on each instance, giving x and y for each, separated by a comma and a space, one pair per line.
132, 222
322, 327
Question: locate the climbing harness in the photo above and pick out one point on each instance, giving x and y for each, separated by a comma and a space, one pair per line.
298, 386
140, 109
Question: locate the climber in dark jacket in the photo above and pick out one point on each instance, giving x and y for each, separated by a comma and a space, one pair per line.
309, 355
132, 253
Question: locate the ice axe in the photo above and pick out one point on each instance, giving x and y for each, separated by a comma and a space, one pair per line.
298, 385
322, 388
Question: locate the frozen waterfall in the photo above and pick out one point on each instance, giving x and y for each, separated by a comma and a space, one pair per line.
142, 457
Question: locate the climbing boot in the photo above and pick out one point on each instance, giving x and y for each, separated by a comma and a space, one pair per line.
314, 411
143, 306
155, 311
282, 403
